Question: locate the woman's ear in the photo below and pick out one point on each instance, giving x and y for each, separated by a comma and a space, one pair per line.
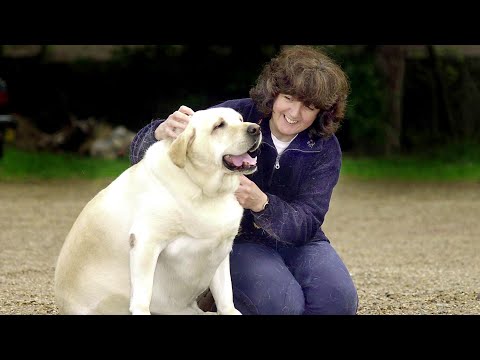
179, 147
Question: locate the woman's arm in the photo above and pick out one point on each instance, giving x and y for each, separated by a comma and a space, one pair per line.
143, 140
158, 130
298, 221
153, 132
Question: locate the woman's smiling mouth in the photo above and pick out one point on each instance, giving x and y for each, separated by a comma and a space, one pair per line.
290, 121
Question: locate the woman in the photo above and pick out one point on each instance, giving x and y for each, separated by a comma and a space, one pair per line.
281, 261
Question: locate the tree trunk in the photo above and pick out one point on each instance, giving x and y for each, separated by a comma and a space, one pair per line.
441, 87
391, 61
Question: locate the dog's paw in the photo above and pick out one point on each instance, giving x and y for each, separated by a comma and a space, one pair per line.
139, 311
232, 311
210, 313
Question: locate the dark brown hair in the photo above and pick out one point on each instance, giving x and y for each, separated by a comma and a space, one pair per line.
310, 76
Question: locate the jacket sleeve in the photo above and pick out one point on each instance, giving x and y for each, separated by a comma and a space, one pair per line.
297, 222
146, 136
142, 141
243, 106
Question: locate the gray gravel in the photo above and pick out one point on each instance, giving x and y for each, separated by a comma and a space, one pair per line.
412, 248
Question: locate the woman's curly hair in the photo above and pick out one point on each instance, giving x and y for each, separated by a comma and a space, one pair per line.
310, 76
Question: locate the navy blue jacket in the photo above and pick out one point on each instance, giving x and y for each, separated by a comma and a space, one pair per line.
298, 183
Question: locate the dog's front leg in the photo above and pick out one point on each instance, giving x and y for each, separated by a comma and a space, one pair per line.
143, 259
221, 288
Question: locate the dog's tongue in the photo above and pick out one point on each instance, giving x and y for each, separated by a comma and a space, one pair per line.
238, 160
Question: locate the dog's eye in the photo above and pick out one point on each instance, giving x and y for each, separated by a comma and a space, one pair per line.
219, 125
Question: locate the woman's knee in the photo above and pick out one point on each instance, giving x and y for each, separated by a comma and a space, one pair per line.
332, 299
289, 301
324, 278
262, 283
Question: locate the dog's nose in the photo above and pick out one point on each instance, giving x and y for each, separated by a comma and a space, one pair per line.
253, 129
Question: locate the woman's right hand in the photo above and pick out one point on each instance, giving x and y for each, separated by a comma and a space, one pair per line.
174, 124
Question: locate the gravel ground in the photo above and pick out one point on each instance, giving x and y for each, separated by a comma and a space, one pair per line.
411, 248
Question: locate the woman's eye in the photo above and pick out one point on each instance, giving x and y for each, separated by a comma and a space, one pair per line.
289, 98
310, 107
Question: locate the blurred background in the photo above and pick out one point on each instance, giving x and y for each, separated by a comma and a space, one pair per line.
404, 215
89, 100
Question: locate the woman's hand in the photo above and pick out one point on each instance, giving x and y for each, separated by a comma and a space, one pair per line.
250, 196
174, 124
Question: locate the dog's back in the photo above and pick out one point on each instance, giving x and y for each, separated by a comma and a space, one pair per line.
161, 233
92, 275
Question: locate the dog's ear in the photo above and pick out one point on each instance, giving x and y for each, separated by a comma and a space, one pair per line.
178, 149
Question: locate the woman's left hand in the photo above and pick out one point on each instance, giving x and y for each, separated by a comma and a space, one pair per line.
249, 195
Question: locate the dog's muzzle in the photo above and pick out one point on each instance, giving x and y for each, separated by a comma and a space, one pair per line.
246, 163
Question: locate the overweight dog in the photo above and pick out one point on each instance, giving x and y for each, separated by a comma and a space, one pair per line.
160, 234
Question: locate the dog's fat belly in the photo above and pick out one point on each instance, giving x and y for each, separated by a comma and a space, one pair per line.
192, 263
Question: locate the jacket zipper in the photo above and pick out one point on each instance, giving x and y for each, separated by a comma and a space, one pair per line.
276, 166
277, 162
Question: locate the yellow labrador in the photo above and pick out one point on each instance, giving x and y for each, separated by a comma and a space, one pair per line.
160, 234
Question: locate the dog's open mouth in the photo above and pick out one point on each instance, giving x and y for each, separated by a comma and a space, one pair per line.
240, 163
245, 163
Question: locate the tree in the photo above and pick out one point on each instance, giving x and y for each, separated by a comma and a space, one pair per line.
391, 62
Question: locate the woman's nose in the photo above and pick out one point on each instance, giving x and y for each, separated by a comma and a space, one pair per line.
295, 108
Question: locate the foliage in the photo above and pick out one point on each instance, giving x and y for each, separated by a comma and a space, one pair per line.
429, 121
141, 83
365, 117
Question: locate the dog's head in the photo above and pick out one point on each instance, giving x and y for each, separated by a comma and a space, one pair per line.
217, 137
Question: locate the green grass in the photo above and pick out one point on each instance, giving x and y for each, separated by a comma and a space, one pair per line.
18, 164
410, 168
455, 162
452, 164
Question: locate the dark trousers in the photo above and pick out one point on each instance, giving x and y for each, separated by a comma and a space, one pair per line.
309, 280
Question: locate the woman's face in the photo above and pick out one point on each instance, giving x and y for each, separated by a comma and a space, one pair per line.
290, 116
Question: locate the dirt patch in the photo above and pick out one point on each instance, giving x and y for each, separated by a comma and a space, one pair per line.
411, 248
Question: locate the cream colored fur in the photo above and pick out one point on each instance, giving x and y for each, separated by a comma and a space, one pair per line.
160, 234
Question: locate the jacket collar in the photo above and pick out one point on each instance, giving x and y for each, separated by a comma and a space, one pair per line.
301, 142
